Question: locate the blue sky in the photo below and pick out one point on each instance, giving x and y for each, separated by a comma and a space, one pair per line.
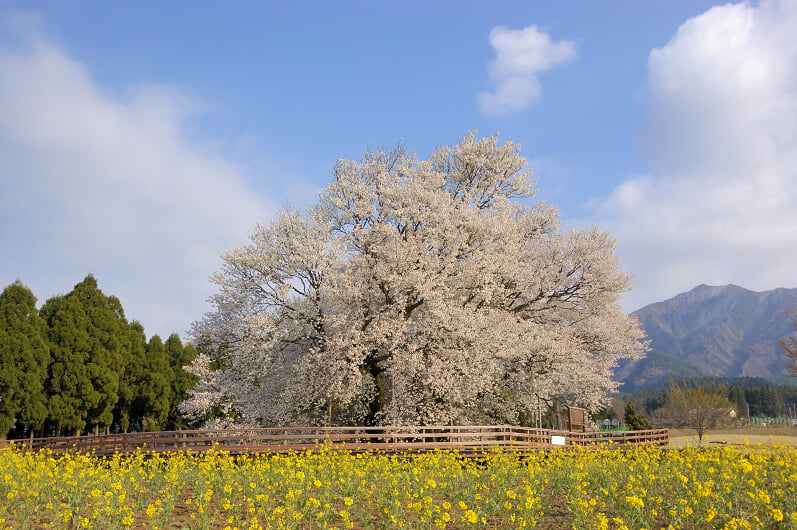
137, 140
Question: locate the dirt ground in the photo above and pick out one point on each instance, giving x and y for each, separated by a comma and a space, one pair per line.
781, 435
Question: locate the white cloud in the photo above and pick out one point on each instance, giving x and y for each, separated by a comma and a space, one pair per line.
91, 182
720, 135
521, 55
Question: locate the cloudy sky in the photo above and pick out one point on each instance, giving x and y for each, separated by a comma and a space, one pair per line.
139, 139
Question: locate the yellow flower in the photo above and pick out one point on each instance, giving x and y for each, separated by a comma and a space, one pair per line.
711, 514
635, 501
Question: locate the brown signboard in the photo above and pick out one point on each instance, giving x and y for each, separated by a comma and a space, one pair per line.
577, 419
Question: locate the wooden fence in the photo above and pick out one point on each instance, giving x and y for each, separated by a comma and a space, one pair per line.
467, 439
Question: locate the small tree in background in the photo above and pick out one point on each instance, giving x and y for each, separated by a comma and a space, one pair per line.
790, 345
698, 408
636, 421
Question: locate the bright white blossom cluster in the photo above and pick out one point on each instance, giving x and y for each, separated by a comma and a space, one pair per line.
415, 292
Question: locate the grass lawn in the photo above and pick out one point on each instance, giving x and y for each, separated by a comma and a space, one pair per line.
781, 435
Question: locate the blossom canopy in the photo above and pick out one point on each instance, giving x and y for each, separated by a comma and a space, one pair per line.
415, 291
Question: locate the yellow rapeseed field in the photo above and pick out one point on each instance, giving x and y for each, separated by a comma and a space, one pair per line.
731, 487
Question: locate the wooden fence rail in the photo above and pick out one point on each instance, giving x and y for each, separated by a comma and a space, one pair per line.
467, 439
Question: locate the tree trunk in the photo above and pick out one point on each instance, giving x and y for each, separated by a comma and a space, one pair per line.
378, 402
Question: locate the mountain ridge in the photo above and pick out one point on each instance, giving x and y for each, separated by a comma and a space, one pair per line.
723, 331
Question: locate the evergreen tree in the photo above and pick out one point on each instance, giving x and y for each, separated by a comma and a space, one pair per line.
68, 385
90, 344
774, 401
754, 401
24, 356
179, 356
606, 413
737, 396
131, 379
636, 421
155, 393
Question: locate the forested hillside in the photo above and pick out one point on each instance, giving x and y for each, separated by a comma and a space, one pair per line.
76, 365
751, 396
655, 368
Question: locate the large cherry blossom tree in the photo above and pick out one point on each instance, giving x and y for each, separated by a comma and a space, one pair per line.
415, 291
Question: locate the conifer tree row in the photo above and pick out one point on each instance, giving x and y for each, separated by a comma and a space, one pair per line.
78, 366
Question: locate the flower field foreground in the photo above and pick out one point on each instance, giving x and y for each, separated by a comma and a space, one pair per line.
733, 487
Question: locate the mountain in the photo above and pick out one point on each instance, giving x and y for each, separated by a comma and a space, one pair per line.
722, 331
